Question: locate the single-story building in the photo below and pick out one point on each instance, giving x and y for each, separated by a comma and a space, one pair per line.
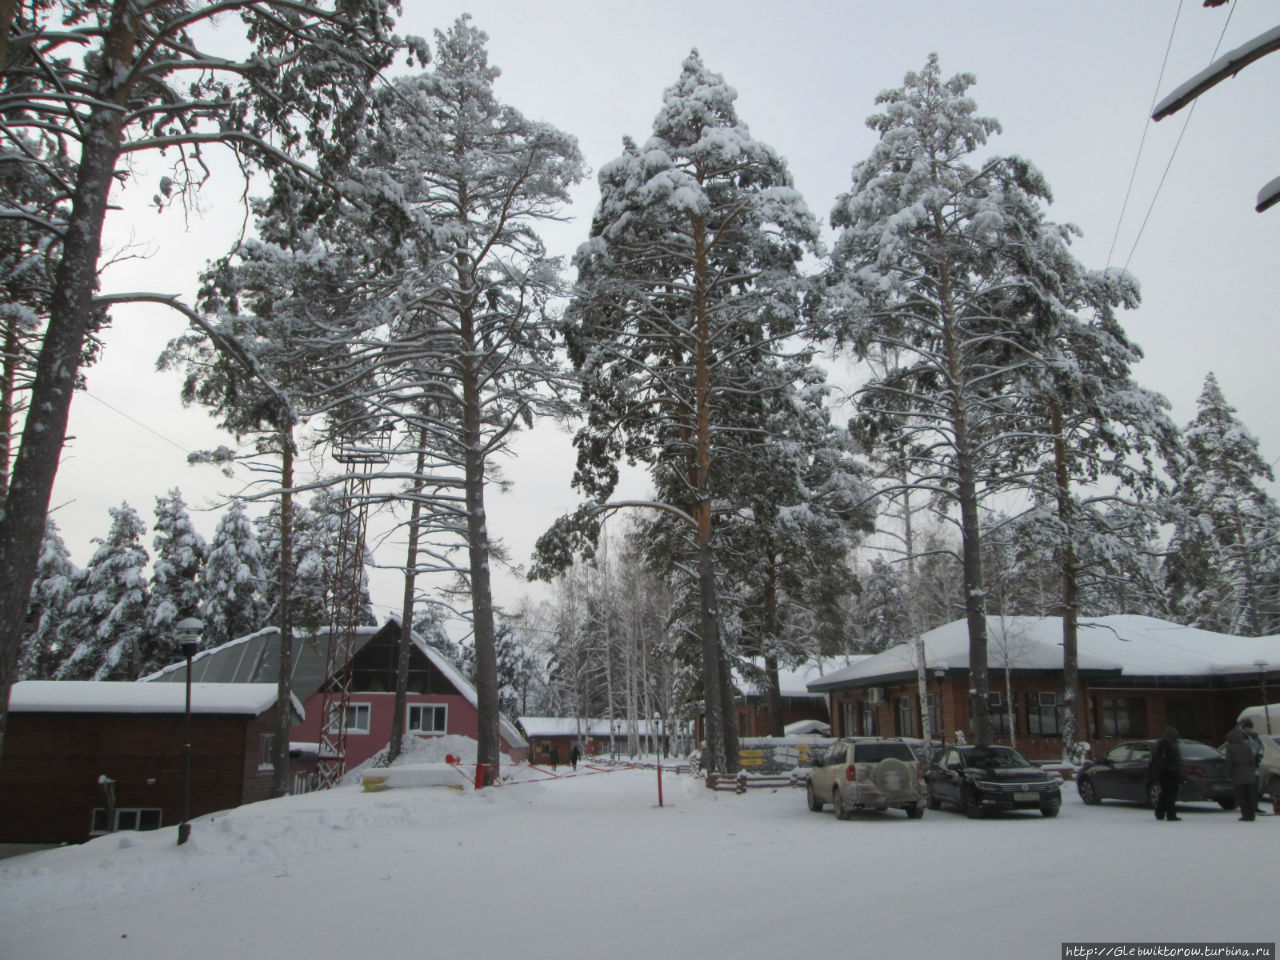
83, 758
1137, 675
552, 738
798, 702
440, 699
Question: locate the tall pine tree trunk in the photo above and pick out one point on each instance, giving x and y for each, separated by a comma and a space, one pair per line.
284, 678
1070, 604
718, 757
70, 309
975, 603
406, 606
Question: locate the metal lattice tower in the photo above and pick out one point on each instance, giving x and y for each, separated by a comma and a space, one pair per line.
360, 458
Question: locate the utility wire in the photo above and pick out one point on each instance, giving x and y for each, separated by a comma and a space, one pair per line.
1133, 174
1177, 143
135, 420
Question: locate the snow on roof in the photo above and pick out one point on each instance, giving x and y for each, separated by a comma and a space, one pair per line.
573, 726
256, 657
793, 682
103, 696
1132, 646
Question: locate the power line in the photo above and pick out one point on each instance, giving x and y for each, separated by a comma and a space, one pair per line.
1133, 174
137, 422
1177, 143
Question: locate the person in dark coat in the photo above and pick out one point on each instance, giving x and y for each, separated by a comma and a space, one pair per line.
575, 755
1166, 770
1243, 766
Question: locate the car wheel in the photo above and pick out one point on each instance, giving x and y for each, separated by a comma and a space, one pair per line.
815, 804
1050, 810
1227, 803
1088, 791
837, 801
1273, 790
1153, 795
914, 811
972, 805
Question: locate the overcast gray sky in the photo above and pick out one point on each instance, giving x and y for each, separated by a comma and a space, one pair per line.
1072, 85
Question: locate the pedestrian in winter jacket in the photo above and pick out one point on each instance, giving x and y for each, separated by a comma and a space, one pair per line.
1165, 769
1243, 767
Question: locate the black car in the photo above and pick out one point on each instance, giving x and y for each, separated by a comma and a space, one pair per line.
978, 779
1122, 775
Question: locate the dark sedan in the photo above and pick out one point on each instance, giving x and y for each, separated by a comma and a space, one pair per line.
978, 779
1122, 775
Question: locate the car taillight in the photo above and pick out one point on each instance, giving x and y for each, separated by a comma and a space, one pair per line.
1192, 768
851, 773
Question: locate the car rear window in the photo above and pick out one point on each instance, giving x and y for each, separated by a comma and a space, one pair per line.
875, 752
1198, 751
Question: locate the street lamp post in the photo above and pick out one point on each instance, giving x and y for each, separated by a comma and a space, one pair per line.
188, 631
1262, 682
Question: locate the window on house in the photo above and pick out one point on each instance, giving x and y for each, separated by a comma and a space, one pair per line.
870, 721
1042, 714
935, 716
848, 719
998, 711
906, 717
357, 718
127, 818
1123, 716
428, 718
267, 751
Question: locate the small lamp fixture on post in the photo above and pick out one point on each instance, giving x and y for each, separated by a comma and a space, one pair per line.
188, 632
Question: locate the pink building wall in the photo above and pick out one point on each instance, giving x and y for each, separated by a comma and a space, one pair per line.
460, 719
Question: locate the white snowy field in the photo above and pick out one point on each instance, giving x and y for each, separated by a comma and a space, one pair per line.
589, 866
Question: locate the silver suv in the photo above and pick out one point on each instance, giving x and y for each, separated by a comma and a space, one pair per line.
870, 773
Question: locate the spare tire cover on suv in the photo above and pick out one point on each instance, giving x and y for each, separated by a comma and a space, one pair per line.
893, 778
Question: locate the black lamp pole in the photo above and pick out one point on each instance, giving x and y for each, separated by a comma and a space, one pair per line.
189, 633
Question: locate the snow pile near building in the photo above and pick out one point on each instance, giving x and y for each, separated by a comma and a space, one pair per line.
430, 754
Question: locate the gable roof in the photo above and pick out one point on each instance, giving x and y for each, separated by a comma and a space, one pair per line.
256, 659
103, 696
793, 682
1127, 645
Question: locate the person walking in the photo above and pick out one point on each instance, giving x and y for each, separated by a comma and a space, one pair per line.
1242, 764
1165, 769
575, 755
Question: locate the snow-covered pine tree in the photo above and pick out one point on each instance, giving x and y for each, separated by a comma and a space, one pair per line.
454, 185
928, 242
231, 586
176, 566
691, 270
294, 87
56, 583
108, 614
1223, 568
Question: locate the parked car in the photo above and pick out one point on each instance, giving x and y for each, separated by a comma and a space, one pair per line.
977, 779
1122, 775
867, 773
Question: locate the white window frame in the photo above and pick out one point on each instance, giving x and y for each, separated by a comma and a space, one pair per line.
353, 712
408, 719
266, 751
137, 814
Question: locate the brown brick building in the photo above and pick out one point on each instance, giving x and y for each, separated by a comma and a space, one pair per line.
1137, 675
82, 758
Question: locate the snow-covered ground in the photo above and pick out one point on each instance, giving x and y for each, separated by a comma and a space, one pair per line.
589, 866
